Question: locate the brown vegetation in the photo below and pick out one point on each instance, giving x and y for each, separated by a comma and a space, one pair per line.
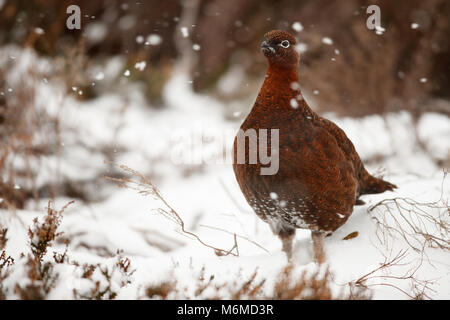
371, 74
419, 224
288, 285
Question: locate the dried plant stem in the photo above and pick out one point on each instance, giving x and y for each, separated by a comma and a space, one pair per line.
146, 188
236, 235
417, 223
420, 287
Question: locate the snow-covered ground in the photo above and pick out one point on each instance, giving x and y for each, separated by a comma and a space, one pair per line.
159, 142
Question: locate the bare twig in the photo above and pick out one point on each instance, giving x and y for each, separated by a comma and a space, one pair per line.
420, 287
417, 223
236, 235
146, 188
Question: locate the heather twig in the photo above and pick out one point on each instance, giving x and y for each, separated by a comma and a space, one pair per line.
420, 288
417, 223
146, 188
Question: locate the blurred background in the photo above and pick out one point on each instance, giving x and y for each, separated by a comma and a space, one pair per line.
374, 73
346, 70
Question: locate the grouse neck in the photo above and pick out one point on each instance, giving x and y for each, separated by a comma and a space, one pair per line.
282, 76
281, 92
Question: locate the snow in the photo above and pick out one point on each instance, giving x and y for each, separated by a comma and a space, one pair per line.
208, 198
154, 40
39, 31
140, 65
273, 195
184, 32
297, 26
100, 76
294, 103
379, 30
327, 41
139, 39
127, 22
301, 47
96, 32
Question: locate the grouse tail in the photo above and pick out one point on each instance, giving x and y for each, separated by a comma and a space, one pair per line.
372, 185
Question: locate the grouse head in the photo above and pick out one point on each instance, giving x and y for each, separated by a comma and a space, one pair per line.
279, 48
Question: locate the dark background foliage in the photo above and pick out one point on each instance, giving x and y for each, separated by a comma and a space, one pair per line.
372, 73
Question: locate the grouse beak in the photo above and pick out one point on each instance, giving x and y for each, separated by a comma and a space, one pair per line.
267, 49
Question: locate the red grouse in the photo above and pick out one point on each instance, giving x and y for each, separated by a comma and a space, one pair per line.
320, 175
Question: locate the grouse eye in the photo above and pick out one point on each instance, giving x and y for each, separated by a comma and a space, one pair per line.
285, 44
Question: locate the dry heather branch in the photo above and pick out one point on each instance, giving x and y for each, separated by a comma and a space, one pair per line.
102, 285
160, 291
41, 274
28, 131
420, 288
419, 224
3, 238
236, 236
42, 235
146, 188
288, 285
315, 286
5, 270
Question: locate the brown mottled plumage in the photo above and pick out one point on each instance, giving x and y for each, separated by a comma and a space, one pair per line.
320, 174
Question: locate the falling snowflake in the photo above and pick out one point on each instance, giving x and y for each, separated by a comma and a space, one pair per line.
140, 39
297, 26
301, 47
295, 86
294, 103
39, 31
140, 65
153, 40
327, 40
100, 76
379, 30
184, 32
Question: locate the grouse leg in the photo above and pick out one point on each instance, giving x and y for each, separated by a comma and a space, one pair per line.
319, 253
287, 237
